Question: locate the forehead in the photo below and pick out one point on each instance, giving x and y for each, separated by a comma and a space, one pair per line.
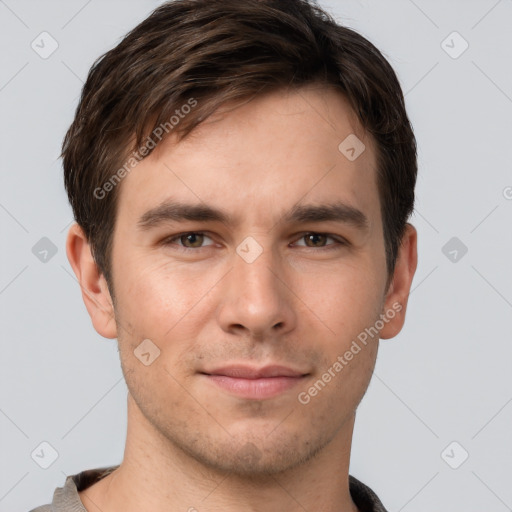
259, 159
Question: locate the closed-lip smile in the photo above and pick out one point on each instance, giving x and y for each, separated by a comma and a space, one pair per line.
256, 383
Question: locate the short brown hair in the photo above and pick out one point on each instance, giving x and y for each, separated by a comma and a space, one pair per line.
216, 51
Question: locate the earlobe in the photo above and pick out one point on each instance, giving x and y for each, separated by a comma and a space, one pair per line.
95, 293
395, 303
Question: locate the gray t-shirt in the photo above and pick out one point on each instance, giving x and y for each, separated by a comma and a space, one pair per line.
66, 499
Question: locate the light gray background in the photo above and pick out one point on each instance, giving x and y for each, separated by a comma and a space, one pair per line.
445, 378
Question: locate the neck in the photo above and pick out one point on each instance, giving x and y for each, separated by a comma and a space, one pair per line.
156, 475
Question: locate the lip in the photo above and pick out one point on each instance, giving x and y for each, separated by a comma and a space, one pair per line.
255, 383
252, 372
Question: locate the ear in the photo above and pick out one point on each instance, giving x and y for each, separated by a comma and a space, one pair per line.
94, 287
395, 301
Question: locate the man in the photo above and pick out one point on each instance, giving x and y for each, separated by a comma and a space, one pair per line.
241, 174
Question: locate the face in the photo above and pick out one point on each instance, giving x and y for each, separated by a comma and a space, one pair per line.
253, 299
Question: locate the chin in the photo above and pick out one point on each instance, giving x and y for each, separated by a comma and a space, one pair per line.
255, 458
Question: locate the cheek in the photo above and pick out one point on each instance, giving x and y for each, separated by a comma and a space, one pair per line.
167, 306
353, 380
155, 297
346, 300
157, 392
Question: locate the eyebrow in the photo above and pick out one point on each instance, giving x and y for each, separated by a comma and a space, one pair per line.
172, 211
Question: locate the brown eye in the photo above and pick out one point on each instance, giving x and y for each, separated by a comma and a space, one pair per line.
315, 239
320, 241
192, 240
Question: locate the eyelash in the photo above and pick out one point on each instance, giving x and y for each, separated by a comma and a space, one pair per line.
340, 242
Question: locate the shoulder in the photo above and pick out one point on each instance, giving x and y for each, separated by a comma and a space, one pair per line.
365, 499
66, 498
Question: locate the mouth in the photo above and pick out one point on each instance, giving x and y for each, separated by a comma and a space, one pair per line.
255, 383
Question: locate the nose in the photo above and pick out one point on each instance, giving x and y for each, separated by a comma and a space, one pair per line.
257, 300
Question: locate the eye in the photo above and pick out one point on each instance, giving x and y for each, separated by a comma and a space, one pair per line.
318, 240
191, 240
195, 240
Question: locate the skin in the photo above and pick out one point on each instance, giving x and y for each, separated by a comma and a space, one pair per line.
191, 445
